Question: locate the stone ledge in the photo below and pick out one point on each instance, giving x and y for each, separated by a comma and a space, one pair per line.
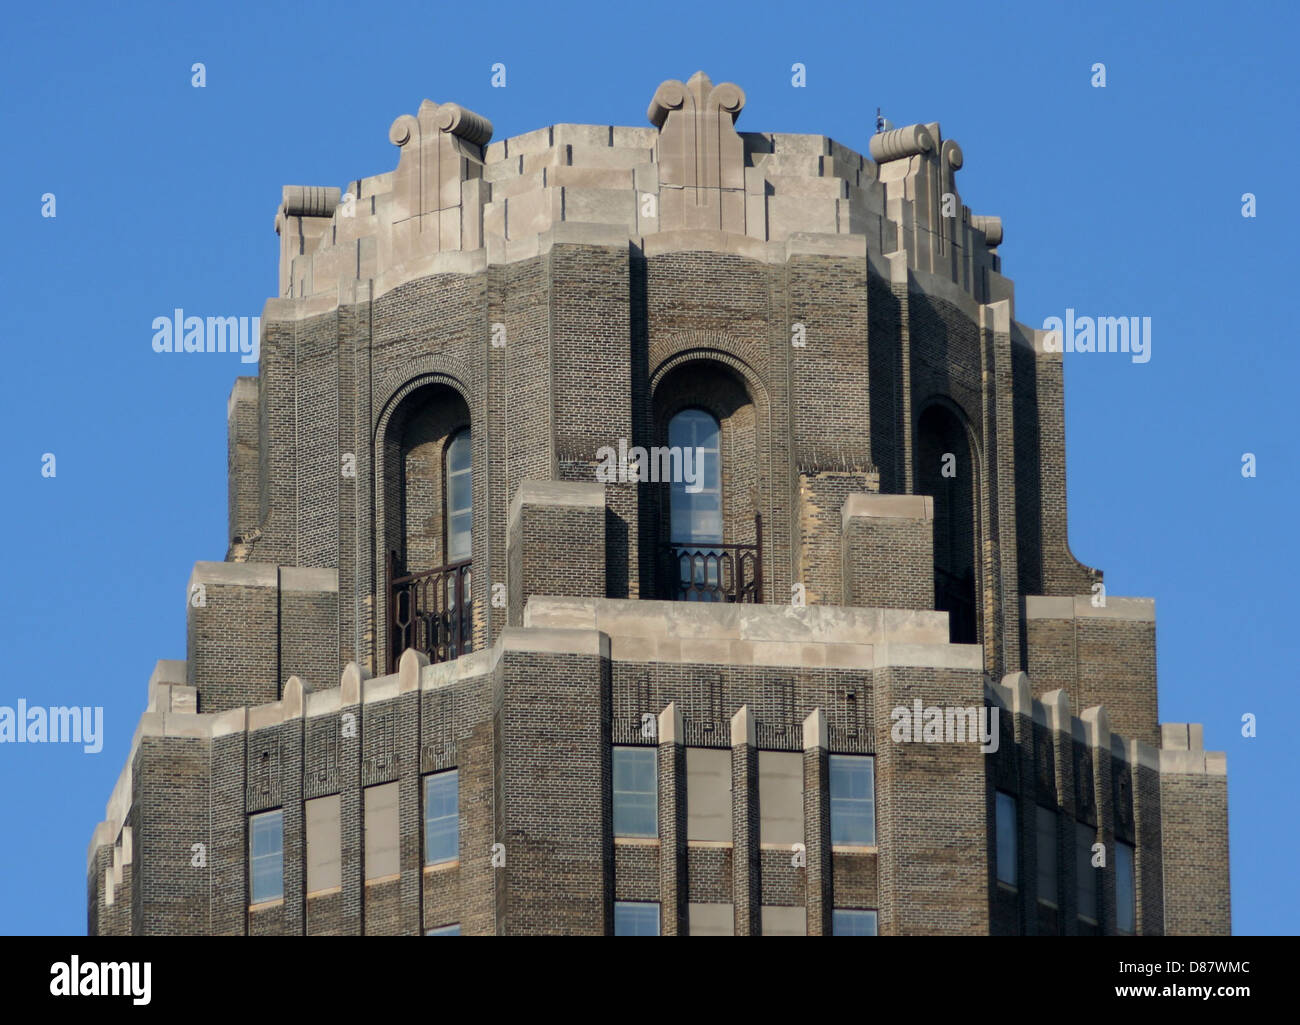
1142, 610
903, 507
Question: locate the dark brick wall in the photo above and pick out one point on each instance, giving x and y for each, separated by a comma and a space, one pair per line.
888, 562
1194, 831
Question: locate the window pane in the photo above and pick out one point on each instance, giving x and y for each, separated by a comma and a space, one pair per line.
445, 930
380, 825
853, 801
712, 919
441, 818
636, 919
266, 856
1047, 856
458, 491
853, 923
708, 793
324, 869
458, 452
780, 798
1125, 889
1007, 848
1085, 837
458, 497
696, 515
636, 791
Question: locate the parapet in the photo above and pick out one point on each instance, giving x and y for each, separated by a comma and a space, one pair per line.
689, 181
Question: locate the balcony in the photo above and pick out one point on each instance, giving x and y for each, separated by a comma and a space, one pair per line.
429, 611
714, 572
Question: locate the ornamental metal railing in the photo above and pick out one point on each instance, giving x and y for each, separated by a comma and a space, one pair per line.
429, 611
714, 572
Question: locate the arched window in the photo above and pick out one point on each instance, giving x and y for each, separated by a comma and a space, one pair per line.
459, 502
428, 520
696, 505
946, 470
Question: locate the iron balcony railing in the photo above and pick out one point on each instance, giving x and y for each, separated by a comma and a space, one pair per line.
430, 612
714, 572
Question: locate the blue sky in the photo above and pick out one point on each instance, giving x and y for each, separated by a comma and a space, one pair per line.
1124, 201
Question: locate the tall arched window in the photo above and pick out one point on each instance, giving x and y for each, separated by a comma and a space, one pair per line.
459, 502
428, 521
946, 470
697, 504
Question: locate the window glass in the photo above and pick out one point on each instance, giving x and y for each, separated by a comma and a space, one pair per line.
697, 514
1007, 848
636, 791
266, 856
1047, 856
441, 817
459, 500
853, 800
1125, 889
1085, 836
635, 919
846, 922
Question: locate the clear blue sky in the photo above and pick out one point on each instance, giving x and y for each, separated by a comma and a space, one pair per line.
1122, 200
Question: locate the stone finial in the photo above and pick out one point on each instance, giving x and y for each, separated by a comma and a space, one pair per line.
437, 197
451, 118
310, 200
992, 228
901, 142
701, 158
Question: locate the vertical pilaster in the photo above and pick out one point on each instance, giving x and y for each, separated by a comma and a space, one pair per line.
746, 882
672, 823
817, 822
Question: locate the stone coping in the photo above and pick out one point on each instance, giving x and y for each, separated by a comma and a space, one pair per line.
1140, 610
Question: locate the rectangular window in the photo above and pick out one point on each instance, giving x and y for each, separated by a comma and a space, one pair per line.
266, 856
853, 800
444, 930
1047, 856
780, 798
324, 868
848, 922
1084, 837
441, 817
382, 831
633, 918
712, 919
779, 920
1125, 890
1008, 850
636, 791
708, 794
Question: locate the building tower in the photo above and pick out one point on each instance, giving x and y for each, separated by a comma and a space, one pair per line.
632, 530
